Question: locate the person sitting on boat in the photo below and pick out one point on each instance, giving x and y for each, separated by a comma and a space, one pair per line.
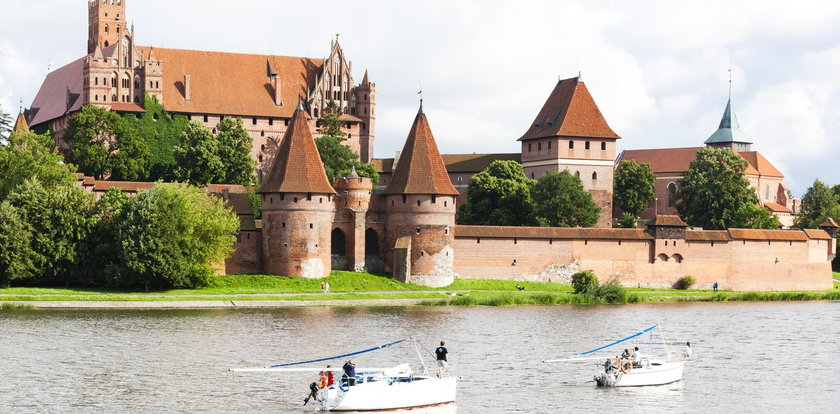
326, 378
687, 350
441, 352
625, 354
349, 373
637, 357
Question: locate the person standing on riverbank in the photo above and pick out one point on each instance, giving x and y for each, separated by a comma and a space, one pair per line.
440, 353
715, 286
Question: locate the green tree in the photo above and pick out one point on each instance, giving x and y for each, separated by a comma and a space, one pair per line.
585, 282
561, 201
339, 159
5, 124
633, 189
197, 157
714, 194
499, 196
15, 239
101, 261
104, 145
753, 216
28, 155
330, 123
171, 236
234, 147
161, 131
818, 203
59, 219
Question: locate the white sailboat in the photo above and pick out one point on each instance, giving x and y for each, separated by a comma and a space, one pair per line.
376, 388
616, 371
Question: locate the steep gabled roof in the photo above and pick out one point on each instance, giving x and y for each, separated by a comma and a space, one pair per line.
420, 169
297, 167
729, 129
51, 100
20, 124
233, 83
758, 165
570, 111
664, 161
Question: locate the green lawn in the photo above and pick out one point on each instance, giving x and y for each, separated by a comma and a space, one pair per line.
836, 277
356, 286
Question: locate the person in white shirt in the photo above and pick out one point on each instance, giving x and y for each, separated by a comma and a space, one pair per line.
687, 350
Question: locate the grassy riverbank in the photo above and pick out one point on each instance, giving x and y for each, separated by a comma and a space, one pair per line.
350, 286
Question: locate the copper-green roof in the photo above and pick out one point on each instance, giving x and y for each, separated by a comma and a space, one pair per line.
729, 129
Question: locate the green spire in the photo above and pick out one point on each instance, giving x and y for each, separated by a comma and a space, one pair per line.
729, 129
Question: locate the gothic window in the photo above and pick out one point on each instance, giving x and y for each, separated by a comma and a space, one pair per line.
118, 30
672, 195
106, 31
114, 98
96, 81
594, 175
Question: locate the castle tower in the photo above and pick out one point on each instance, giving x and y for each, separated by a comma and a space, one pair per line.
365, 105
152, 77
354, 199
729, 133
100, 85
106, 23
570, 133
420, 212
297, 205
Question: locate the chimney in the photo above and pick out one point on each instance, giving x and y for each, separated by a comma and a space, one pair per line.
187, 88
278, 99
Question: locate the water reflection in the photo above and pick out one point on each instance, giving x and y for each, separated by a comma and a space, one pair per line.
747, 357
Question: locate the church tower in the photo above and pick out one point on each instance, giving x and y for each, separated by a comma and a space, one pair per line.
106, 23
420, 212
729, 133
298, 207
365, 105
570, 133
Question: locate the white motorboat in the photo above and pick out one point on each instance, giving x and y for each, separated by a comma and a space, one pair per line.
396, 388
616, 371
374, 389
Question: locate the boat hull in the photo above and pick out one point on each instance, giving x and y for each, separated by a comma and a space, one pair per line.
388, 395
652, 374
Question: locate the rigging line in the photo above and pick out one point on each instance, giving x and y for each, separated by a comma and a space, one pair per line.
618, 341
337, 356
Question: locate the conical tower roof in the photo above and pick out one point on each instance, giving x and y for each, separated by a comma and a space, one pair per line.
21, 124
365, 80
570, 111
729, 129
420, 169
297, 167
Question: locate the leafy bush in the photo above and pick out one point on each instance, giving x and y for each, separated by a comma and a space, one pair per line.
611, 292
684, 282
585, 282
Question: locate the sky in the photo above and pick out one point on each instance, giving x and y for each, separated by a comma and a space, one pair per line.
658, 70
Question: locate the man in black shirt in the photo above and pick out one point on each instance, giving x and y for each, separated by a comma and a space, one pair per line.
441, 358
350, 373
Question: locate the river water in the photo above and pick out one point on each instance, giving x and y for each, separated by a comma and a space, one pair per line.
753, 357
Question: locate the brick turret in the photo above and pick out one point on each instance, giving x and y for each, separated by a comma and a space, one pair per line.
365, 108
106, 23
297, 205
353, 202
420, 208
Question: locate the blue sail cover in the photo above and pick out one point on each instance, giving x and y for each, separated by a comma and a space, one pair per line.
337, 356
619, 341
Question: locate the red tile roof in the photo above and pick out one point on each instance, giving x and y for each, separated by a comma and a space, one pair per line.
707, 235
765, 235
297, 167
233, 83
777, 208
570, 111
817, 234
455, 163
676, 161
126, 107
551, 233
668, 220
420, 169
829, 222
20, 124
